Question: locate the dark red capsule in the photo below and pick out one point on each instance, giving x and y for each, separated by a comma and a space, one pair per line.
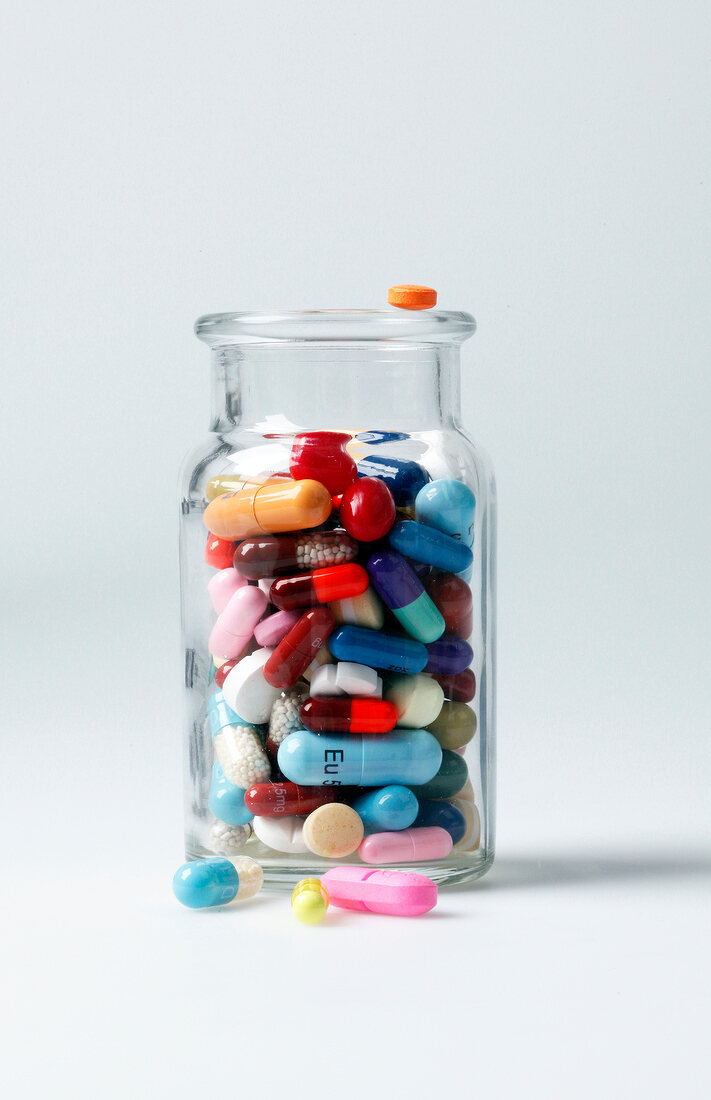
452, 597
460, 687
323, 457
331, 714
275, 799
297, 650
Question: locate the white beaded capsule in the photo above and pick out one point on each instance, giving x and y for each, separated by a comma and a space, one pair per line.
285, 712
242, 756
227, 840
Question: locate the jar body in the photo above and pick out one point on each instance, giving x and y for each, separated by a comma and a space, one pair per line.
396, 407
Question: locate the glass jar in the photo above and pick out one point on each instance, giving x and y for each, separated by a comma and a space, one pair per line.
388, 382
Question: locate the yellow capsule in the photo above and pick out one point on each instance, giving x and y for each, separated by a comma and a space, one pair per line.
309, 901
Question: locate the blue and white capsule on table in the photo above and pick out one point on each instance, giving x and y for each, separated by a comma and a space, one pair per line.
205, 883
404, 757
400, 589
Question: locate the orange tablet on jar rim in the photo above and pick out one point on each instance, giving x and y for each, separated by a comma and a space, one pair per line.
409, 296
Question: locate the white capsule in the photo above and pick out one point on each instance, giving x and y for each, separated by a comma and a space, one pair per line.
227, 840
247, 692
282, 834
285, 712
418, 699
242, 755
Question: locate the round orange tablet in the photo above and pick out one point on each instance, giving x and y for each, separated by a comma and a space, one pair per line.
412, 297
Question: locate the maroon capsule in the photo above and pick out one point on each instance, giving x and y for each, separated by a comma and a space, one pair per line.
346, 715
297, 650
452, 597
275, 799
460, 687
277, 555
335, 582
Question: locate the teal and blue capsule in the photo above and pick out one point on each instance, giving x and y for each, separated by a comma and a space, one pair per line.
319, 759
443, 814
400, 589
226, 800
378, 650
430, 546
450, 778
386, 810
404, 478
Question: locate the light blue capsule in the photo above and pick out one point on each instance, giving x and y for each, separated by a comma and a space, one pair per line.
428, 545
206, 882
226, 800
220, 715
386, 810
448, 505
319, 759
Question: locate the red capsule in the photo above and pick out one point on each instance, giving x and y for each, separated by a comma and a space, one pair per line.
335, 582
274, 555
334, 715
274, 799
323, 457
452, 597
219, 552
460, 687
297, 650
367, 509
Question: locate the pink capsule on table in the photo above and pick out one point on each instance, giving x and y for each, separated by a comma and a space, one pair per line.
270, 631
235, 626
406, 846
223, 586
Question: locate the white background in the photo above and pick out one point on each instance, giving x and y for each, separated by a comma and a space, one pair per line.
545, 166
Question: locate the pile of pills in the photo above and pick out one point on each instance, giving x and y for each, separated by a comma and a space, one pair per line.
341, 671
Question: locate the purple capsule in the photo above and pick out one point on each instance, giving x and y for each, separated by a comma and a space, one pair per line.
448, 655
401, 590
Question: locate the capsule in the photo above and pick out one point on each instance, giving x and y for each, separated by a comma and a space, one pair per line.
454, 726
459, 687
222, 587
309, 901
430, 546
401, 590
226, 800
272, 508
344, 715
219, 552
323, 456
444, 815
406, 846
284, 799
270, 631
237, 745
448, 655
335, 582
417, 699
404, 479
364, 610
235, 625
452, 597
235, 483
278, 555
217, 881
367, 509
296, 651
406, 757
449, 780
448, 506
371, 647
228, 840
387, 809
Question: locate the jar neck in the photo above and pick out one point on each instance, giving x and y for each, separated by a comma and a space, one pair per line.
280, 387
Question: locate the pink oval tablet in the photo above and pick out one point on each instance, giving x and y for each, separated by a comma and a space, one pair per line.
270, 631
236, 624
399, 893
223, 586
406, 846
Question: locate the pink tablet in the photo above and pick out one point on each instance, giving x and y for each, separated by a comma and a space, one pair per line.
398, 893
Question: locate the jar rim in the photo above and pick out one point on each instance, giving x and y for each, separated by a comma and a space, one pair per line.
432, 326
